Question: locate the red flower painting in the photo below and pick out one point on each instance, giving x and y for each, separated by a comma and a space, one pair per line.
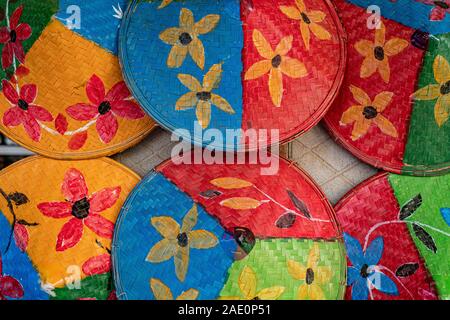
23, 111
106, 107
12, 38
84, 210
440, 9
9, 287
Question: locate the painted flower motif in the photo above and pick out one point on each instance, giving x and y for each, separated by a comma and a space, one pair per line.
276, 64
313, 276
439, 91
23, 111
9, 287
201, 96
84, 209
178, 241
368, 112
97, 265
363, 275
162, 292
21, 236
164, 3
377, 53
12, 38
104, 108
440, 9
248, 284
309, 21
184, 38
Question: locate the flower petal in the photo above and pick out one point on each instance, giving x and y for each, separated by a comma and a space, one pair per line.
386, 126
221, 103
13, 117
382, 100
160, 290
162, 251
55, 210
383, 283
353, 275
164, 3
31, 127
23, 31
212, 78
77, 141
360, 128
10, 92
258, 69
291, 12
315, 292
181, 260
354, 251
166, 226
302, 292
306, 34
380, 35
368, 67
176, 56
197, 52
374, 251
301, 5
190, 294
203, 113
247, 283
190, 219
323, 274
202, 239
97, 265
7, 55
276, 86
430, 92
18, 51
296, 270
442, 110
95, 90
384, 70
70, 234
314, 256
21, 237
360, 96
262, 45
437, 14
186, 19
28, 93
40, 113
118, 92
107, 127
101, 226
74, 186
127, 109
82, 111
293, 68
351, 115
15, 17
104, 199
319, 31
441, 69
4, 35
394, 46
10, 287
187, 101
364, 48
360, 289
284, 46
190, 82
272, 293
316, 16
206, 24
170, 36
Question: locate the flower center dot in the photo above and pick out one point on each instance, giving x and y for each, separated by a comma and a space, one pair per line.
370, 112
185, 38
256, 298
13, 35
276, 61
23, 104
204, 95
182, 239
364, 272
104, 107
309, 276
80, 208
305, 18
441, 4
445, 89
379, 53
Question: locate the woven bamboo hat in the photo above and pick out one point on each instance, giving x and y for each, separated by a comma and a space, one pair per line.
229, 64
397, 235
63, 95
393, 108
56, 224
227, 232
